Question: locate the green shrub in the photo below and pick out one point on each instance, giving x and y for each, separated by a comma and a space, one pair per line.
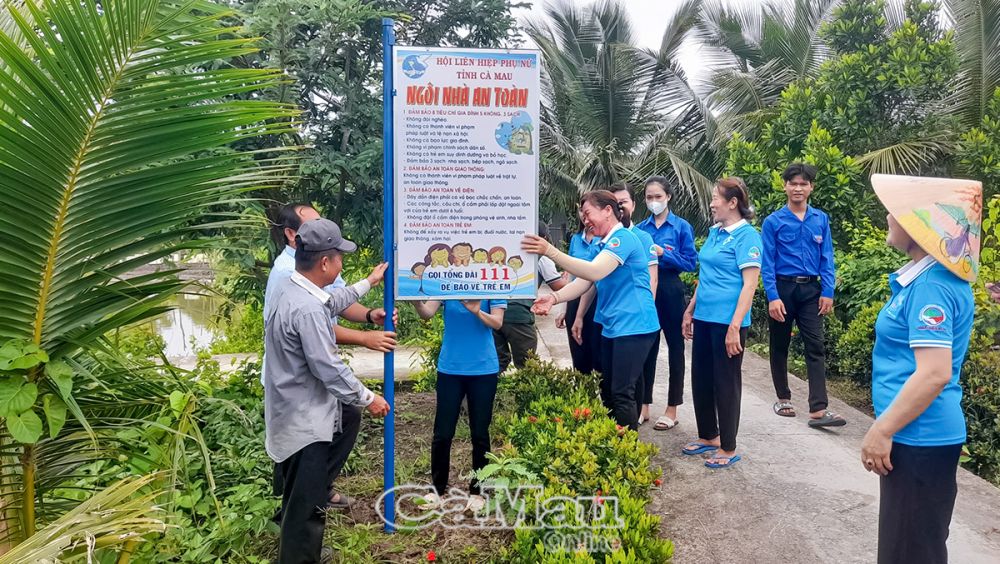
863, 270
560, 436
543, 380
242, 331
981, 404
854, 350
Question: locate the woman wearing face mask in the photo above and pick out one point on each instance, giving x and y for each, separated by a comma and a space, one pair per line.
583, 332
717, 319
921, 338
625, 307
676, 239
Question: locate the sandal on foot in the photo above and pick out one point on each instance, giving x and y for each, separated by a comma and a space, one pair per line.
729, 461
829, 419
664, 423
342, 502
784, 408
700, 447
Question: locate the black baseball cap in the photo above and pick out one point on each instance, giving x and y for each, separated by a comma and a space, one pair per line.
322, 235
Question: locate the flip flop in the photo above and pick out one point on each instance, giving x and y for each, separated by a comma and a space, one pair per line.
829, 419
343, 502
784, 406
701, 447
730, 461
664, 423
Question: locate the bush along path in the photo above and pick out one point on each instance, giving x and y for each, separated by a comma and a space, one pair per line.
593, 478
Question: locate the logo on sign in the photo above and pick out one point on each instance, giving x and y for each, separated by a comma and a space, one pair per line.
414, 66
933, 315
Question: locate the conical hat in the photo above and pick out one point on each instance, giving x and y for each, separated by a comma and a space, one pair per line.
942, 215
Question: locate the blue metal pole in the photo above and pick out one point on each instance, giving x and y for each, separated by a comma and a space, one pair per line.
388, 255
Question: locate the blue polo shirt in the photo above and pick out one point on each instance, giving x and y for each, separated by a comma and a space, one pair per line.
677, 239
467, 347
581, 249
929, 307
726, 252
647, 243
624, 300
797, 247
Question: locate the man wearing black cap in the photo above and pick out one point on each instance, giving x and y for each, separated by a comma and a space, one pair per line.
306, 384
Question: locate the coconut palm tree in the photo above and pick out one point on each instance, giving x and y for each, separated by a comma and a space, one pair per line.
114, 142
606, 100
977, 42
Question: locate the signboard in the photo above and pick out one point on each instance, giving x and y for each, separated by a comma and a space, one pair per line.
465, 145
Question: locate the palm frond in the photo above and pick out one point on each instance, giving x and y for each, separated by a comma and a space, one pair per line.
123, 512
906, 157
977, 35
108, 151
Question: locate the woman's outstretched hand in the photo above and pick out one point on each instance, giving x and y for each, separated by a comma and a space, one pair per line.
535, 245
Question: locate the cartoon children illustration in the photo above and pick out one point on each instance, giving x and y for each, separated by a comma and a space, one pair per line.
461, 254
480, 256
498, 255
438, 254
417, 272
515, 262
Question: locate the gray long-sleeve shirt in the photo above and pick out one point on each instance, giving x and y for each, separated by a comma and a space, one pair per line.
306, 379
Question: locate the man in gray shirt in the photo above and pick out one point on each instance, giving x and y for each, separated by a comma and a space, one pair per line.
306, 384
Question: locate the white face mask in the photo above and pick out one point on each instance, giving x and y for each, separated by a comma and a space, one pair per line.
656, 207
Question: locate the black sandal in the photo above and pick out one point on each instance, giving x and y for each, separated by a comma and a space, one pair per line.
829, 419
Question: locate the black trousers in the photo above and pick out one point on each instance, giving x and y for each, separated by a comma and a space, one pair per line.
670, 305
801, 307
586, 357
621, 379
515, 341
306, 479
479, 392
644, 391
916, 501
716, 383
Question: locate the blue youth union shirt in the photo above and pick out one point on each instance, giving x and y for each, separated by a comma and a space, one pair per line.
467, 347
723, 257
677, 239
581, 249
794, 247
624, 300
647, 243
929, 307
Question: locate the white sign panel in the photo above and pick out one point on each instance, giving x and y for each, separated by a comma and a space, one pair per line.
466, 171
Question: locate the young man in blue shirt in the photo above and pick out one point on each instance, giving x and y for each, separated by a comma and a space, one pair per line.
799, 279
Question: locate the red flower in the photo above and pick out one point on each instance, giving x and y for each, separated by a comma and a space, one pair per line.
431, 557
586, 412
576, 413
557, 419
657, 482
532, 419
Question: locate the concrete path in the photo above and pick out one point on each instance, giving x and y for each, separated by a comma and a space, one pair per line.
798, 494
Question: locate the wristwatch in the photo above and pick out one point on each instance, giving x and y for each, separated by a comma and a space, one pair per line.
368, 316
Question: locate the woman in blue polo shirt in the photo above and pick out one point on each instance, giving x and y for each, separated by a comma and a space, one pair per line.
467, 369
625, 307
717, 319
921, 338
583, 332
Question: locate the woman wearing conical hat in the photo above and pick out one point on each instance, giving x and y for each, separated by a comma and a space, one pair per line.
921, 338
